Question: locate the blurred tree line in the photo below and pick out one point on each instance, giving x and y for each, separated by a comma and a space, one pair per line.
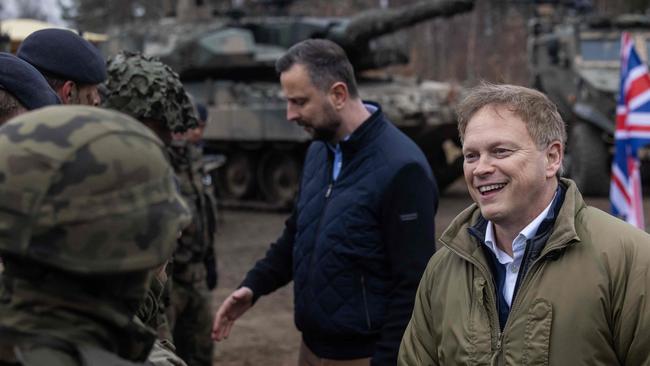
487, 43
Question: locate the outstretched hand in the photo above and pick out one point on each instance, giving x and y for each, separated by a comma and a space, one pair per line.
232, 308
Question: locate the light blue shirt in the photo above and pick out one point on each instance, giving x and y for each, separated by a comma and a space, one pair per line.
338, 161
338, 158
518, 248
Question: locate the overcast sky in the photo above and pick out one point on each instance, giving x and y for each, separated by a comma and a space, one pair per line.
49, 7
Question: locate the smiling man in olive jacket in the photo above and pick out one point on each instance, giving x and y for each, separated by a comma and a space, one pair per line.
529, 274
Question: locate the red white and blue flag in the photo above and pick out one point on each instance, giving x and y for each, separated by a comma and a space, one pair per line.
632, 133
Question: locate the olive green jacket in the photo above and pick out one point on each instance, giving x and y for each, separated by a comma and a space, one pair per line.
584, 301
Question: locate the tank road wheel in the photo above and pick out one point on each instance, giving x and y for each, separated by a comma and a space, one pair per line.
588, 160
278, 175
237, 177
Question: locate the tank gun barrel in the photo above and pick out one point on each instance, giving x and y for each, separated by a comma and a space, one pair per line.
376, 22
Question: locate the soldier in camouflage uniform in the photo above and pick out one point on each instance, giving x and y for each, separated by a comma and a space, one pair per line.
150, 91
151, 313
203, 171
89, 211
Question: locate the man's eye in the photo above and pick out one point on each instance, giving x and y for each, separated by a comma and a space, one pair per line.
502, 153
470, 157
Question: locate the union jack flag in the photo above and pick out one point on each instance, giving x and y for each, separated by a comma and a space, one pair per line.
632, 132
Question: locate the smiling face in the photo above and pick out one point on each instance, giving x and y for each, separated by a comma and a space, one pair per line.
309, 106
507, 175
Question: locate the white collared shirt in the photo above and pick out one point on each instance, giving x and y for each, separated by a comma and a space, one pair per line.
518, 248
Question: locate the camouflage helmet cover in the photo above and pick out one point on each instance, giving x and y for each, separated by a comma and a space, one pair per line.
146, 88
87, 190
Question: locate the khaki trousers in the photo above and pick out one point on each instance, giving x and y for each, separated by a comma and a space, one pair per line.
308, 358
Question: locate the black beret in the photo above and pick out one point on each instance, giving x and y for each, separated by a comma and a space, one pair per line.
25, 83
64, 54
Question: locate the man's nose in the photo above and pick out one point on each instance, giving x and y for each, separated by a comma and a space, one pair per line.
292, 115
483, 166
95, 98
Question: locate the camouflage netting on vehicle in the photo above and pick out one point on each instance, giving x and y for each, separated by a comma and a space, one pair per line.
87, 190
146, 88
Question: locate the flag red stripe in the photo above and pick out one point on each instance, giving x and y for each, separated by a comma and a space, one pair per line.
621, 188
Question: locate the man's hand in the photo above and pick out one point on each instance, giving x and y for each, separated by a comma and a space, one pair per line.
232, 308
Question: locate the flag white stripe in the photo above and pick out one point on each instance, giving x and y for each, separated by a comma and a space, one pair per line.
626, 135
632, 75
639, 100
638, 119
618, 199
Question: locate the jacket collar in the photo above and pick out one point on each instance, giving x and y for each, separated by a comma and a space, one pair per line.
366, 133
458, 239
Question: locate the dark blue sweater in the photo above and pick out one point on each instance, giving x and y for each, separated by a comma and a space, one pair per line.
356, 247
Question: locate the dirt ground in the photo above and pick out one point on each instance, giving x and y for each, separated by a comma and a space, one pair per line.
266, 335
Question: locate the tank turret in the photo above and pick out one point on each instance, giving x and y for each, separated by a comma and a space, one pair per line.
252, 44
354, 34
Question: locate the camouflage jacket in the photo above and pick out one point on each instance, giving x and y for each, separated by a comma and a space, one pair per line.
38, 327
151, 313
52, 354
195, 244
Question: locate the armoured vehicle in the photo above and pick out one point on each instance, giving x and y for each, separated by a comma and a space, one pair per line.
576, 62
228, 63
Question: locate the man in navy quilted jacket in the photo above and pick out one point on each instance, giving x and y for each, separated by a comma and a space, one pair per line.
362, 229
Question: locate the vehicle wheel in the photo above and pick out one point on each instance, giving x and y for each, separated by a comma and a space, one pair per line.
237, 177
278, 175
589, 160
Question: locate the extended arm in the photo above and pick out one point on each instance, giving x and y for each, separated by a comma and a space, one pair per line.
269, 273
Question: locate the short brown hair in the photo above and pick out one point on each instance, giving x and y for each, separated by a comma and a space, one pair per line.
540, 115
325, 61
9, 106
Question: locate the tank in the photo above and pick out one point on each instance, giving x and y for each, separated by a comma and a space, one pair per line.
229, 64
575, 60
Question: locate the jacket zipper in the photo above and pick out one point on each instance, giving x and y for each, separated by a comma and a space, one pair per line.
365, 301
328, 193
516, 301
497, 335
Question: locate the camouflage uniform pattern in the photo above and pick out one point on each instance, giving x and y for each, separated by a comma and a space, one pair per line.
89, 209
148, 90
163, 352
204, 181
145, 88
102, 210
190, 313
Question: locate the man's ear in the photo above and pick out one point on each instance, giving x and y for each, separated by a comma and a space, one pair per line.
66, 91
554, 157
339, 94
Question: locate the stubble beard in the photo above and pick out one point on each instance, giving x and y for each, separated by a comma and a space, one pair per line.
331, 124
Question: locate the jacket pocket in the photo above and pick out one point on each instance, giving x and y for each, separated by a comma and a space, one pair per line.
538, 333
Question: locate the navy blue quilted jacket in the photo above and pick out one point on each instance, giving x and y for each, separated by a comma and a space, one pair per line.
356, 247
